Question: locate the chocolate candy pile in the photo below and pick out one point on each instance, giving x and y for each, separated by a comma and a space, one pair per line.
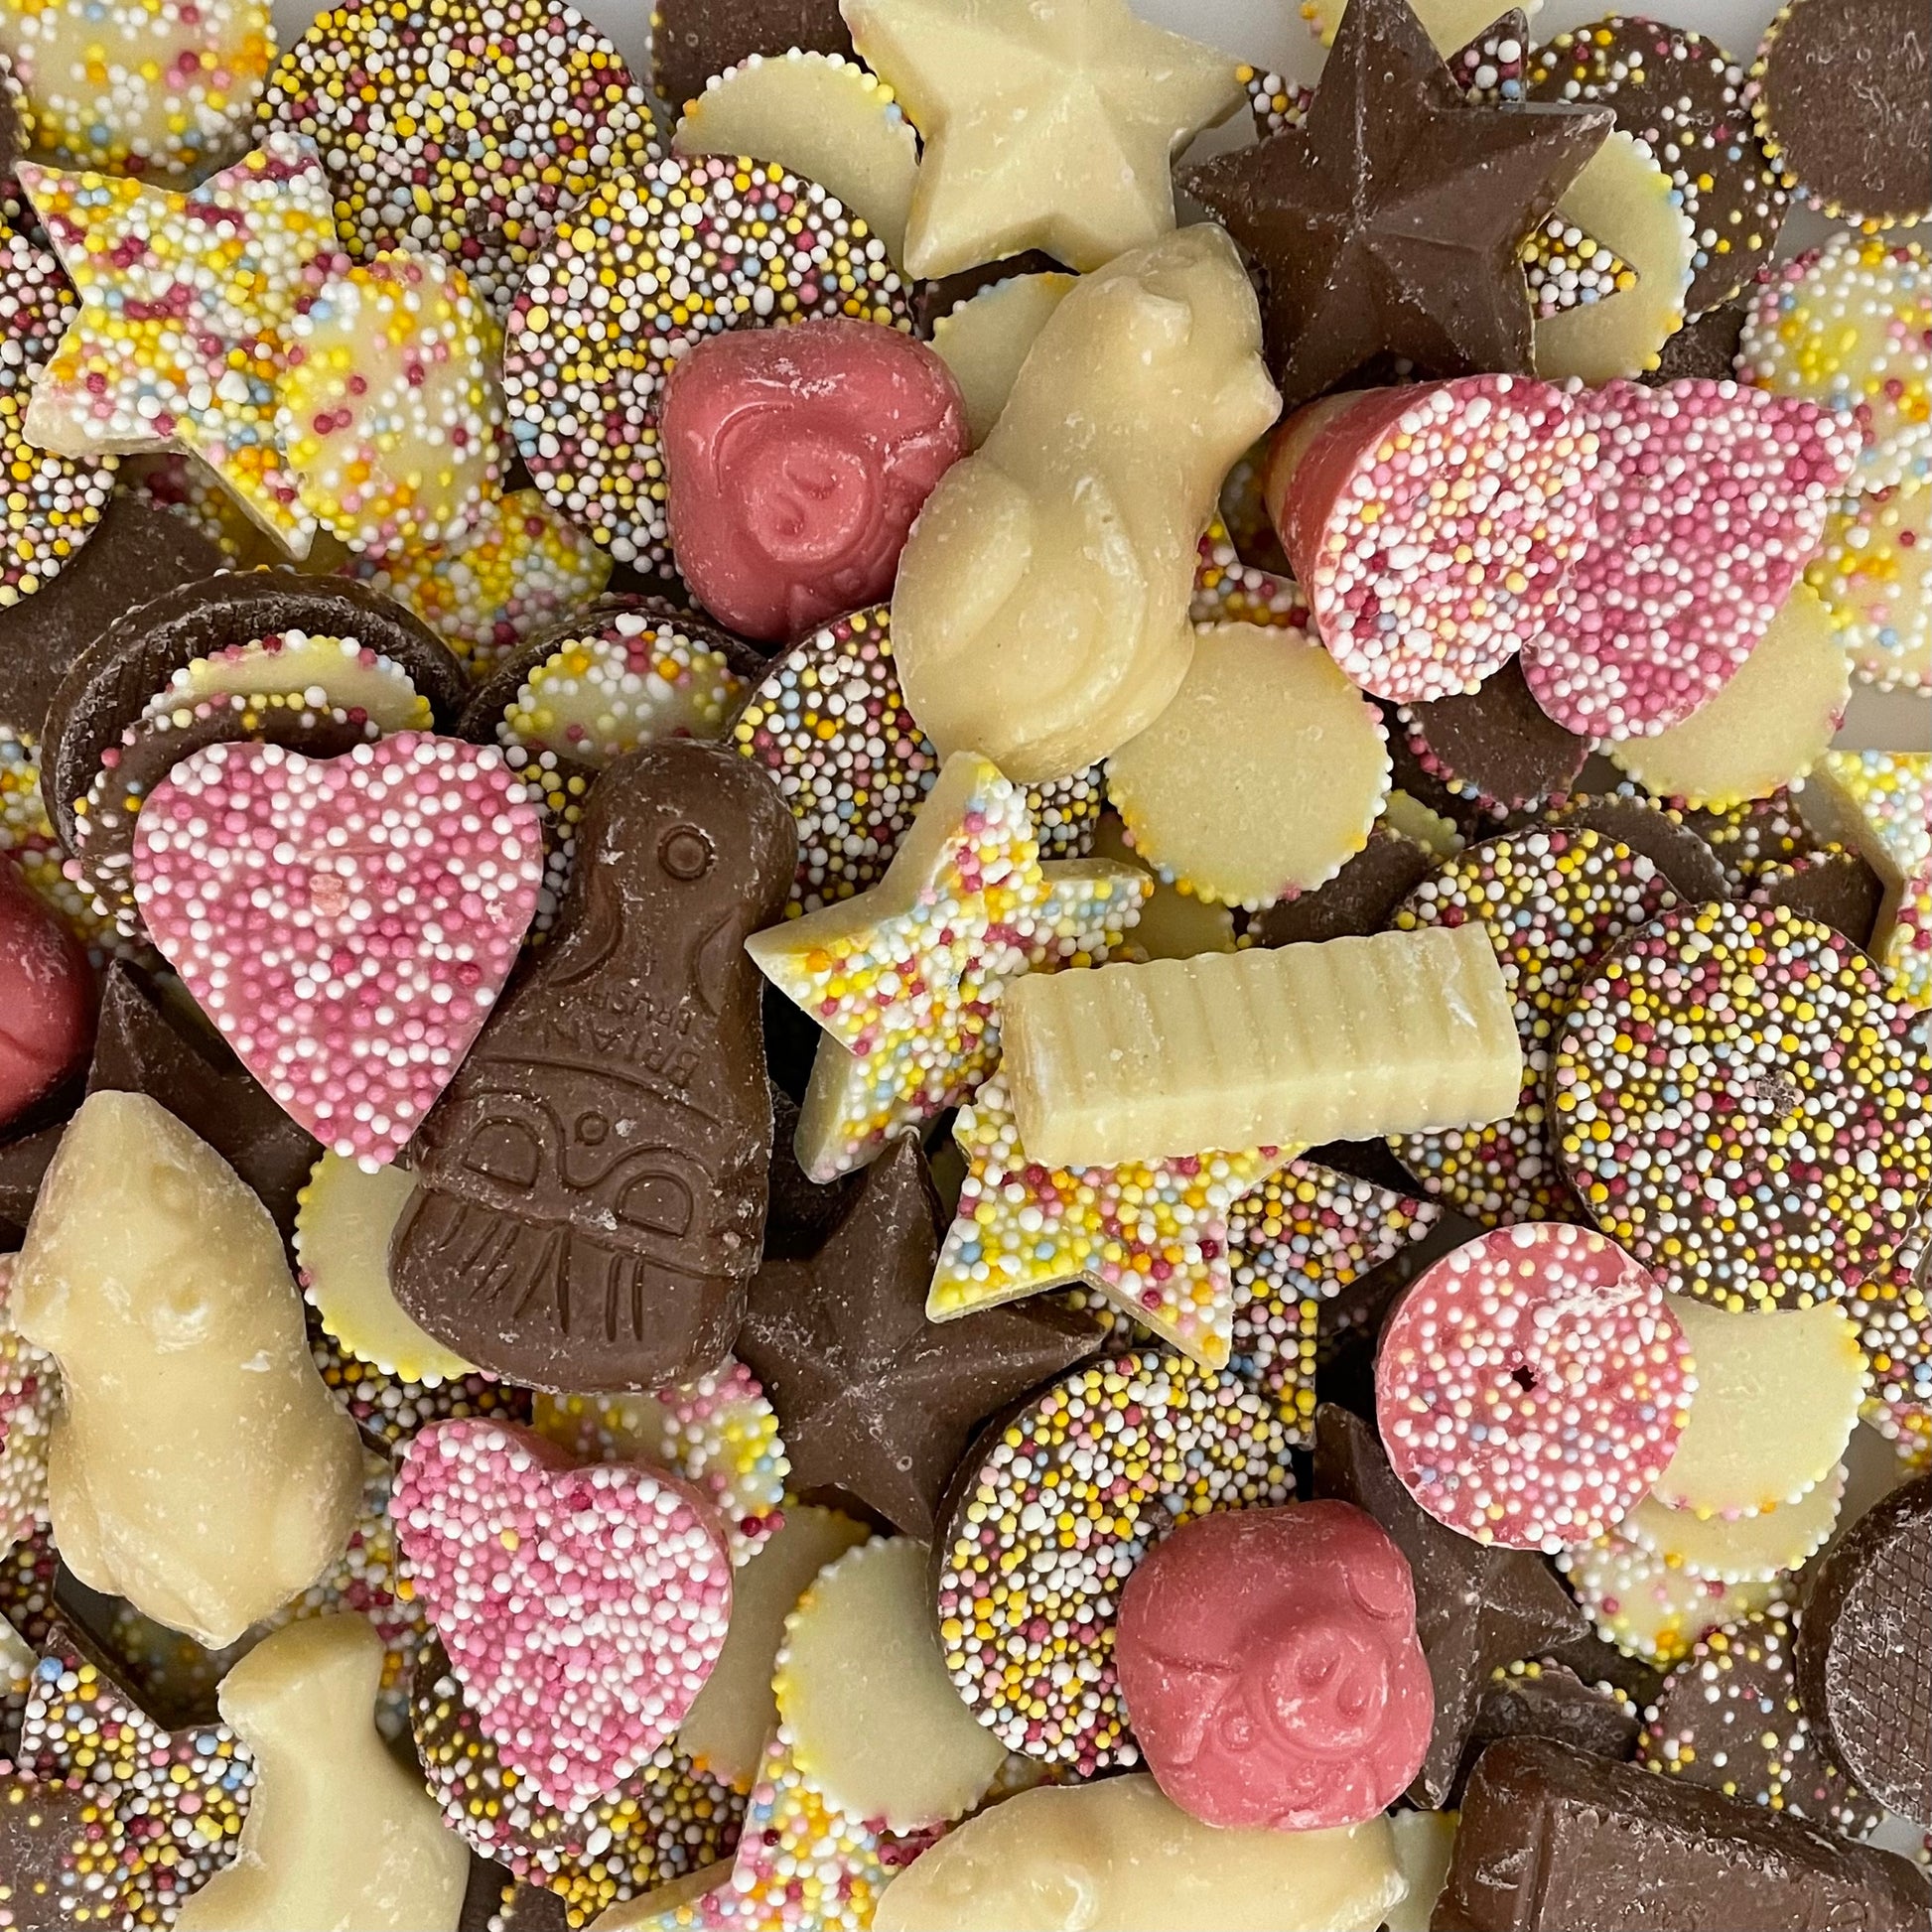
879, 1049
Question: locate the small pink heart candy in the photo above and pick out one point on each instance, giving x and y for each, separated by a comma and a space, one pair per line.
346, 923
583, 1607
1710, 500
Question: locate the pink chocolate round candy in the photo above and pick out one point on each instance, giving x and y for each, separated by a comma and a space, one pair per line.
1532, 1385
796, 461
47, 999
1269, 1665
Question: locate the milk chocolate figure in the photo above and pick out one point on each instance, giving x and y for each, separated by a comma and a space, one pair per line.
593, 1182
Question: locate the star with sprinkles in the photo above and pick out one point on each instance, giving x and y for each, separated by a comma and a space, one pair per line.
185, 307
1391, 221
1151, 1236
907, 979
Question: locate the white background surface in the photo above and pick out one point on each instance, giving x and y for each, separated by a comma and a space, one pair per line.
1271, 34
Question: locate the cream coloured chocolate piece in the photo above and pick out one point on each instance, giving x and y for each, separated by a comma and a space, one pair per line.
1777, 1399
1744, 1549
297, 663
339, 1836
1041, 612
1261, 779
201, 1467
725, 1731
1414, 820
1345, 1040
1118, 1857
1424, 1843
987, 337
342, 1245
1625, 199
1649, 1610
872, 1716
1766, 728
1049, 127
819, 115
1172, 925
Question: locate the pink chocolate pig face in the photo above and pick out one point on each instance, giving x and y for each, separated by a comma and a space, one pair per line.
1271, 1671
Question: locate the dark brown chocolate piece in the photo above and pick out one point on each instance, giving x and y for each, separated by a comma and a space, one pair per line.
54, 1838
1554, 1840
1477, 1607
1844, 105
1837, 889
1599, 1662
498, 1902
1541, 1697
875, 1402
154, 1041
1684, 859
1358, 899
136, 553
594, 1179
691, 40
24, 1162
1705, 347
801, 1214
1358, 257
1749, 838
1864, 1651
108, 687
1495, 744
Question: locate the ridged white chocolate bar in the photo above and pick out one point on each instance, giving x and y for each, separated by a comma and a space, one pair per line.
1341, 1041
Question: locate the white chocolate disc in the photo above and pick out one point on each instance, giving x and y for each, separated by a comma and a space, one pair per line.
1748, 1549
342, 1246
821, 117
986, 338
1424, 1841
345, 673
862, 1693
725, 1731
1629, 203
1263, 777
1639, 1602
1777, 1398
1172, 925
1766, 728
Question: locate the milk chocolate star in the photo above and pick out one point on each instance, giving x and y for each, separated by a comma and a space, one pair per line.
1391, 221
874, 1399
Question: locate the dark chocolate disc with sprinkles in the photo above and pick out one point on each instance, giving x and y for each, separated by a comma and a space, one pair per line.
1494, 746
1729, 1719
1837, 889
1750, 839
1706, 347
1658, 833
51, 503
1360, 899
1684, 97
464, 128
647, 264
1843, 106
1742, 1105
1864, 1653
666, 1819
1554, 902
1050, 1514
55, 1840
1893, 1311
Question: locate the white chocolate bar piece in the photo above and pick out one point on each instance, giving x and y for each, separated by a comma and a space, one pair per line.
1345, 1040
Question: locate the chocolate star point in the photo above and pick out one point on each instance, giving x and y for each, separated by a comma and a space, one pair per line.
1391, 221
874, 1401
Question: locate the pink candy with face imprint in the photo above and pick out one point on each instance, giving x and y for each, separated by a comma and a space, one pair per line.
47, 999
796, 460
1271, 1668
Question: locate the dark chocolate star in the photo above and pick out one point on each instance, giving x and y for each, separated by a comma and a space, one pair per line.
1476, 1606
874, 1400
1390, 223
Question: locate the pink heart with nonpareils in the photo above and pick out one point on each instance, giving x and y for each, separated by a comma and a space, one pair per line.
1709, 500
583, 1607
346, 923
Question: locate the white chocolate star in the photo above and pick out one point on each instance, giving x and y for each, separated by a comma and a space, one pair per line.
1048, 123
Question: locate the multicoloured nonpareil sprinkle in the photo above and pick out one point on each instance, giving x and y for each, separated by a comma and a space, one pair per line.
1908, 948
1315, 1230
1849, 327
186, 305
48, 503
647, 263
464, 128
1553, 903
1872, 572
583, 1607
30, 1396
1227, 590
1893, 1311
390, 412
1531, 1386
391, 1408
1893, 791
517, 571
1737, 1102
147, 88
907, 978
1647, 1607
1048, 1524
1151, 1237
